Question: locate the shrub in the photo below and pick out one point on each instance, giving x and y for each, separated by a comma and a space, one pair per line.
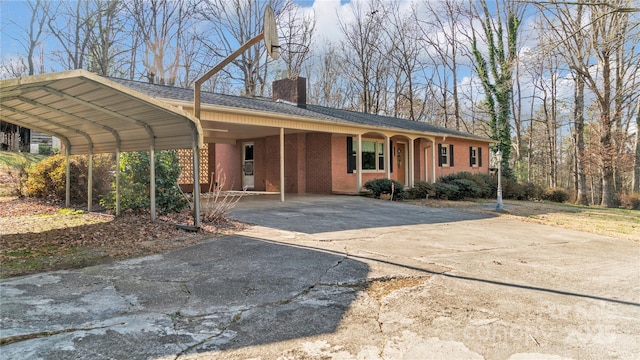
217, 203
446, 191
631, 201
383, 186
46, 179
532, 191
484, 184
422, 190
135, 178
556, 195
511, 189
467, 189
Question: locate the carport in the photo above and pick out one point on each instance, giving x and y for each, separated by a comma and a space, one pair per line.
91, 114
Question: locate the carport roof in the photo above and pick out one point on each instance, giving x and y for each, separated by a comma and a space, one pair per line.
91, 113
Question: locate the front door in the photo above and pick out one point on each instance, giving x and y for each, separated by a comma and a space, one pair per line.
247, 166
400, 155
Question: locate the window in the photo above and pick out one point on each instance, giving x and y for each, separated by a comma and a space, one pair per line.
372, 154
475, 156
445, 155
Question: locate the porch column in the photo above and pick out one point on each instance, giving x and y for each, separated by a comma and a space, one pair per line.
152, 182
90, 183
387, 157
359, 164
433, 161
411, 163
282, 164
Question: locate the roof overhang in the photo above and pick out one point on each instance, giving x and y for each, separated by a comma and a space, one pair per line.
91, 114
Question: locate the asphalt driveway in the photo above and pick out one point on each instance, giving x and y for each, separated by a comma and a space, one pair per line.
342, 277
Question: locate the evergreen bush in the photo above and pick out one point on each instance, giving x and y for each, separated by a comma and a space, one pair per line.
135, 180
556, 195
383, 186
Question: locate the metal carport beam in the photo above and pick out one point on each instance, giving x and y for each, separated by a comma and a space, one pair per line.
102, 109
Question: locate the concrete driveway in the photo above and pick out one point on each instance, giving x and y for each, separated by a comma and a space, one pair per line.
342, 278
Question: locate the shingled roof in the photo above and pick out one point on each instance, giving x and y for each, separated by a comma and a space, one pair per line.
315, 112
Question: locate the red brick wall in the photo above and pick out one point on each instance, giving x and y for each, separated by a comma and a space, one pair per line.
461, 157
294, 163
318, 159
271, 153
340, 179
229, 160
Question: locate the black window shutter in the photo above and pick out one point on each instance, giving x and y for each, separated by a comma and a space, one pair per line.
470, 156
450, 155
390, 156
479, 156
439, 154
351, 160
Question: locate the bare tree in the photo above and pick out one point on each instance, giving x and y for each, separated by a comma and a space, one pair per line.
635, 183
362, 48
160, 25
107, 46
34, 33
440, 31
297, 31
610, 73
71, 23
231, 24
326, 78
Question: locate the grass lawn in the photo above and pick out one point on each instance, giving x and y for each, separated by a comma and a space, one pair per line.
619, 223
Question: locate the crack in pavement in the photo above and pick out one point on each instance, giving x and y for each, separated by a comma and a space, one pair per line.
18, 338
238, 315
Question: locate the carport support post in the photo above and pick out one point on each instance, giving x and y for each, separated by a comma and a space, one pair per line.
359, 164
282, 164
90, 183
67, 184
118, 182
152, 182
196, 181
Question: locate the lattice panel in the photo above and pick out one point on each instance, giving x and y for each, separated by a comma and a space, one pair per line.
185, 160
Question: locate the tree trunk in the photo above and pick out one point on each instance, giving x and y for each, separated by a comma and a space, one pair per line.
636, 168
578, 115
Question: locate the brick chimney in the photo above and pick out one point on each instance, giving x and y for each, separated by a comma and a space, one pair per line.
291, 90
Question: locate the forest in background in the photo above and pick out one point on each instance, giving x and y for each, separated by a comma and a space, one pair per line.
555, 83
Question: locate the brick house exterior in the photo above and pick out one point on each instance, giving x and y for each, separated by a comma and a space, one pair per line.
320, 144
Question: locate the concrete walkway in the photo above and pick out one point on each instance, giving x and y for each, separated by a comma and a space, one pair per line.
339, 277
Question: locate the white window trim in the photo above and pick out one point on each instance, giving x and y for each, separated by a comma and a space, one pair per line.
445, 148
378, 142
474, 149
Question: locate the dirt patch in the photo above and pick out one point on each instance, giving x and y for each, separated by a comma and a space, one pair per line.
37, 236
380, 288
